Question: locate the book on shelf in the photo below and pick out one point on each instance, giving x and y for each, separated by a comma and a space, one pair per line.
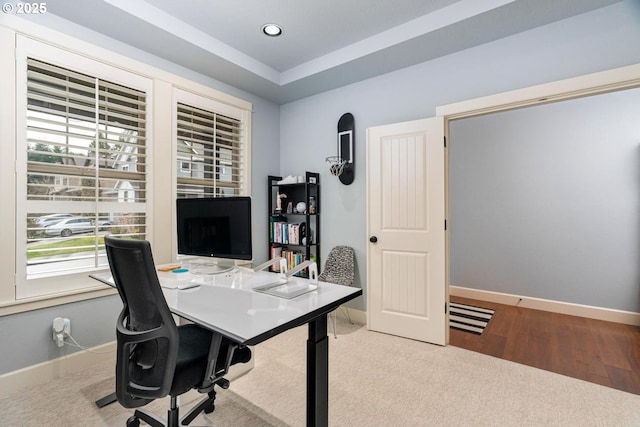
287, 233
276, 251
293, 258
275, 224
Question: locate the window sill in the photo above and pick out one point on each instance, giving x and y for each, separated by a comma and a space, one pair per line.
14, 307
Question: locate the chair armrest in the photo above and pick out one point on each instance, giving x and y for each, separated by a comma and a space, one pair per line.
214, 350
132, 394
213, 372
128, 336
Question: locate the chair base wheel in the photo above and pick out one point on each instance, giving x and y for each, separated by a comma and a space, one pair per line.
133, 422
209, 409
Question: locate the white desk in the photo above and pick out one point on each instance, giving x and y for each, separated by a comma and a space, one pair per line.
226, 303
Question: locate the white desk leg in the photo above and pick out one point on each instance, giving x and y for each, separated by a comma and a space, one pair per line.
318, 373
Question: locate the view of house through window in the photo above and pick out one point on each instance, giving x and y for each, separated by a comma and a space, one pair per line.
210, 154
86, 168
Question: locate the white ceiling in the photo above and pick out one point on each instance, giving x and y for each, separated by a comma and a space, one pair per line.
326, 43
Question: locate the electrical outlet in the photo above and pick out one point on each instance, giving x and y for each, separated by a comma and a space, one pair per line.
61, 328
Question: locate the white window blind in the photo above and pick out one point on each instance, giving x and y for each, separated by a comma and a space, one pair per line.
86, 169
211, 154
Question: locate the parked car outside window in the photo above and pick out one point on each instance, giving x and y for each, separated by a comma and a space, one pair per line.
103, 224
50, 219
68, 226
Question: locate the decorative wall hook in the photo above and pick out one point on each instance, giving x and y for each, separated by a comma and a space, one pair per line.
343, 165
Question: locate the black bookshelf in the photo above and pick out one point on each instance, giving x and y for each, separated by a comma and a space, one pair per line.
292, 233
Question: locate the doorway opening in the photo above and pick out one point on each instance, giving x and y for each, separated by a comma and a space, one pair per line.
521, 330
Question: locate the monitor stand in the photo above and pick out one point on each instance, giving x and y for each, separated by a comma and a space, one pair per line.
216, 267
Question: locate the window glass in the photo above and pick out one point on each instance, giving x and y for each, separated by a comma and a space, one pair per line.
210, 153
86, 169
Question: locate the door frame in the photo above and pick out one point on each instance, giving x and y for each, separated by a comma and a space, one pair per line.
616, 79
575, 87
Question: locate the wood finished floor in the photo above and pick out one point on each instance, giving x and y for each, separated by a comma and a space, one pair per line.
600, 352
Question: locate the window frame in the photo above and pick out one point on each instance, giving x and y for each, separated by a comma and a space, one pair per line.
181, 96
55, 283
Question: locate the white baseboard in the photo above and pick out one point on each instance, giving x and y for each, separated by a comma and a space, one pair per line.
56, 368
610, 315
41, 373
356, 316
591, 312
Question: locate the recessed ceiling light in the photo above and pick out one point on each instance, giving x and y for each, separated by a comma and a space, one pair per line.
272, 30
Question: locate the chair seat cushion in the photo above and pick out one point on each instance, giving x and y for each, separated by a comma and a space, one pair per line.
192, 358
193, 355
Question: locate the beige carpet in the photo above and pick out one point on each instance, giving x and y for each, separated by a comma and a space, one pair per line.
375, 380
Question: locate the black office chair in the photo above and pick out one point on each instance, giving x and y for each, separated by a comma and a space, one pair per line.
156, 358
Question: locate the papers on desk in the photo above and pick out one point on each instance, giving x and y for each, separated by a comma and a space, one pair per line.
178, 279
179, 285
287, 289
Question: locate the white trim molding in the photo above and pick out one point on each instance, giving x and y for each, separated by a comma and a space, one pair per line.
356, 316
591, 312
585, 85
41, 373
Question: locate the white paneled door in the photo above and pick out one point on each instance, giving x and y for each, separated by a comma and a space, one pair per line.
406, 286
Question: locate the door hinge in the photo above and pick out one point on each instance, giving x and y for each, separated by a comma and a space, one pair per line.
445, 142
445, 308
445, 225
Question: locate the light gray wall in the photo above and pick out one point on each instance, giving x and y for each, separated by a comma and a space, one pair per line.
545, 201
26, 337
591, 42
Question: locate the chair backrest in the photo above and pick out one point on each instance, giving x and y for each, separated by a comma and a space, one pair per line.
340, 266
147, 336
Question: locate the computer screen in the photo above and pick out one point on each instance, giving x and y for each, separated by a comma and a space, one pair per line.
215, 227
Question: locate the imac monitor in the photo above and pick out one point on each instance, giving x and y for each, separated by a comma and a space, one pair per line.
217, 228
